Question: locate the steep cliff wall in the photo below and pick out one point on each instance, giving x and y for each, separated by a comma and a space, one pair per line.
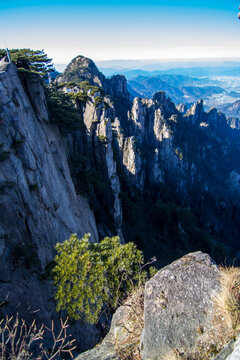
38, 203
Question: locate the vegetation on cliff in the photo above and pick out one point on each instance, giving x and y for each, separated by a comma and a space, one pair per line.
88, 275
33, 60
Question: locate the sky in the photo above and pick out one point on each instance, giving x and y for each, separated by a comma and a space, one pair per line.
126, 29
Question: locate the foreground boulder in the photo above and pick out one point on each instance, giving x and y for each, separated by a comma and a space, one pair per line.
178, 314
178, 306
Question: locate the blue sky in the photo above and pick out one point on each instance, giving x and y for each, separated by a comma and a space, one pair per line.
105, 30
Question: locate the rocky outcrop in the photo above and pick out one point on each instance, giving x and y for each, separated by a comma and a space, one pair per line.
182, 108
108, 348
178, 314
231, 351
234, 122
178, 306
82, 69
98, 120
232, 110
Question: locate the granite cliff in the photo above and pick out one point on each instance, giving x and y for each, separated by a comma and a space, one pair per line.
38, 203
162, 176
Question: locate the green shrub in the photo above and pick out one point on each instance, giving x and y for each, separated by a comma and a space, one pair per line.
17, 143
98, 100
96, 89
103, 139
86, 85
34, 187
71, 84
81, 96
61, 109
87, 275
59, 86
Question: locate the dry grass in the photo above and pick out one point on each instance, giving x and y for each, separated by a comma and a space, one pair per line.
228, 300
172, 355
132, 323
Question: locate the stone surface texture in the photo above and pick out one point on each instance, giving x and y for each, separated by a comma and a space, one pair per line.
178, 302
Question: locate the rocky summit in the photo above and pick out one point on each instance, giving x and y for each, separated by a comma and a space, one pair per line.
165, 177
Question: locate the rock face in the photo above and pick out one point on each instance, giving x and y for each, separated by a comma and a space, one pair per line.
178, 305
107, 350
232, 109
182, 108
99, 136
38, 203
36, 187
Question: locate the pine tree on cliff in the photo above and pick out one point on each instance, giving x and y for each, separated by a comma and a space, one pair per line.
33, 60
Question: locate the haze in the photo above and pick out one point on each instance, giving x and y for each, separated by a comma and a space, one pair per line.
108, 30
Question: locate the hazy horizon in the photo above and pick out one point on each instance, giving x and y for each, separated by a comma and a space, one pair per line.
161, 64
105, 30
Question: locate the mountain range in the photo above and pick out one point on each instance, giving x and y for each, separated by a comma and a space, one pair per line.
143, 169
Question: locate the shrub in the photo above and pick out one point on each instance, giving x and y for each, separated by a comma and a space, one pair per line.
98, 100
18, 143
34, 187
103, 139
81, 96
86, 85
71, 84
87, 275
61, 109
61, 85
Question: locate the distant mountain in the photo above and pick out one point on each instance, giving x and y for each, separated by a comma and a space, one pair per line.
232, 109
196, 71
205, 71
179, 88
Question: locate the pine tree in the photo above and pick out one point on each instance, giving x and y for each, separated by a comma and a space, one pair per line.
87, 275
33, 60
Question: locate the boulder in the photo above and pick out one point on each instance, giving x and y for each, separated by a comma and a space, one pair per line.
178, 306
178, 315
